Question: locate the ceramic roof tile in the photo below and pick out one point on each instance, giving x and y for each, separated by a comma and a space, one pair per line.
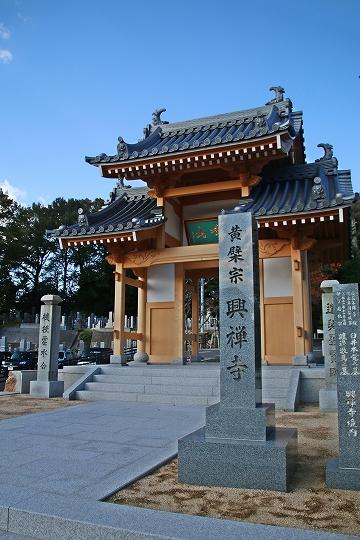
164, 138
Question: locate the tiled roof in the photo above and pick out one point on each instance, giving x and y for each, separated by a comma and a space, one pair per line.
132, 209
162, 138
300, 189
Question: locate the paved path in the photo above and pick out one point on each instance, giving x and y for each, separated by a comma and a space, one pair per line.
55, 466
92, 449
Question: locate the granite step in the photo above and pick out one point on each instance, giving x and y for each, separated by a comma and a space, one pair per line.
191, 390
183, 385
89, 395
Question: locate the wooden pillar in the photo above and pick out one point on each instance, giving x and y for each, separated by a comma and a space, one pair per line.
262, 309
307, 303
195, 317
119, 310
141, 318
179, 310
298, 299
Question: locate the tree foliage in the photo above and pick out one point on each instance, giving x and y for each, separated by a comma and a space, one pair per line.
33, 264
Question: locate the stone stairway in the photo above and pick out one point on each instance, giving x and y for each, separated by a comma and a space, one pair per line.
175, 385
196, 384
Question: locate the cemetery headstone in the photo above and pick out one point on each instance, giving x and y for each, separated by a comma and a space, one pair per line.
37, 319
239, 446
47, 384
22, 344
81, 346
344, 472
63, 322
28, 345
110, 322
3, 344
327, 395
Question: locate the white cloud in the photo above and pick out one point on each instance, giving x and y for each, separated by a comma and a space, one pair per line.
4, 32
5, 56
14, 193
43, 200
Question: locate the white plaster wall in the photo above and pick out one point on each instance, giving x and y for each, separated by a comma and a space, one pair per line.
277, 277
161, 283
172, 223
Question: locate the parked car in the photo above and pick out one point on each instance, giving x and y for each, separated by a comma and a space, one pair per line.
96, 355
20, 360
4, 356
66, 358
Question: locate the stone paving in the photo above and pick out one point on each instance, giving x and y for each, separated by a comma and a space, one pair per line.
56, 466
91, 449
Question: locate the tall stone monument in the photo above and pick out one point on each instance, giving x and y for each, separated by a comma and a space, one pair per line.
239, 446
47, 384
327, 395
344, 472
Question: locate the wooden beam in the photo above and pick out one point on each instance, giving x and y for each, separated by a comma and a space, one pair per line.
181, 254
133, 335
215, 187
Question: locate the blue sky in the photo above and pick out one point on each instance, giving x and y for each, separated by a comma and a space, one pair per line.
77, 74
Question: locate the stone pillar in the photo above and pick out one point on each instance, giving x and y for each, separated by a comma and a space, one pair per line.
239, 445
344, 472
327, 395
47, 384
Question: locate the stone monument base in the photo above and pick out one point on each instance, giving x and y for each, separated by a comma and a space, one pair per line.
328, 400
300, 360
239, 463
47, 388
119, 359
341, 478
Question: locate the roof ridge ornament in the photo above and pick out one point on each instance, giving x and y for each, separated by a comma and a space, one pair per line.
328, 156
82, 219
279, 94
328, 151
121, 147
156, 117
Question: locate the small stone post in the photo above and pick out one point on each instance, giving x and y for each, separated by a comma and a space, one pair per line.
47, 384
327, 395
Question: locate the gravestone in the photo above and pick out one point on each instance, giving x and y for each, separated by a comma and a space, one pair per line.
37, 319
22, 344
239, 446
3, 344
110, 322
344, 472
81, 346
63, 322
327, 395
47, 384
